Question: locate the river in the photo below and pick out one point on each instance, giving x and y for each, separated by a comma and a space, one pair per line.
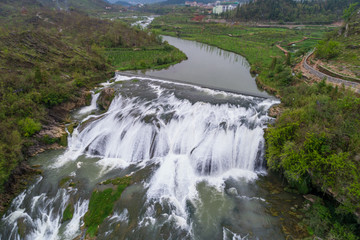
196, 154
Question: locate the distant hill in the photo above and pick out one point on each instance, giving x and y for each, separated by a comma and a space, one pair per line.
14, 6
84, 5
134, 2
8, 7
178, 2
317, 12
123, 3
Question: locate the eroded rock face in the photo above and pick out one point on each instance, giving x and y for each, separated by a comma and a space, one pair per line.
105, 98
61, 112
52, 131
275, 111
51, 136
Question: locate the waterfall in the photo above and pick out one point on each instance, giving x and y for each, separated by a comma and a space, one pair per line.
39, 216
191, 135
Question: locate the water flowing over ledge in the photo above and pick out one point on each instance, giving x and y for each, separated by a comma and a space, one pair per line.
194, 139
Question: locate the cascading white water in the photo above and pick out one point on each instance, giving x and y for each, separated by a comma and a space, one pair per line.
92, 105
192, 142
40, 216
192, 135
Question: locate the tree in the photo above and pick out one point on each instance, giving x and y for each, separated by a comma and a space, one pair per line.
349, 12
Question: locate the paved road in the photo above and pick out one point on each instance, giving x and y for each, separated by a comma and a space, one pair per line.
353, 85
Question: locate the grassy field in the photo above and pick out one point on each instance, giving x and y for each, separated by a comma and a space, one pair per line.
152, 57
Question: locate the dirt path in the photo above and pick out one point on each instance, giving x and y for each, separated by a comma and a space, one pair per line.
289, 44
282, 49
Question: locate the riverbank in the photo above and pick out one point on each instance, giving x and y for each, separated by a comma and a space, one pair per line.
311, 143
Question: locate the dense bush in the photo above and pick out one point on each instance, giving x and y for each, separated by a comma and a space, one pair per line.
328, 222
315, 139
327, 49
28, 126
290, 11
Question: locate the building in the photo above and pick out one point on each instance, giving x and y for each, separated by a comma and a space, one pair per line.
224, 7
218, 9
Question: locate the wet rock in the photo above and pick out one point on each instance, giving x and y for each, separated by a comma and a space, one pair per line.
105, 98
72, 126
89, 121
68, 212
87, 98
311, 198
52, 131
275, 111
273, 212
22, 230
274, 192
17, 182
232, 191
61, 112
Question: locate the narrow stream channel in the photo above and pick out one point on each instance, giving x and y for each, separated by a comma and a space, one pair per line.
197, 155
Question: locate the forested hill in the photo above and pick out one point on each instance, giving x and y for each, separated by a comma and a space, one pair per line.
84, 5
320, 11
89, 6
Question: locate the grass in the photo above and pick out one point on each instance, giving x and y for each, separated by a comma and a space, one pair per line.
102, 203
68, 213
154, 57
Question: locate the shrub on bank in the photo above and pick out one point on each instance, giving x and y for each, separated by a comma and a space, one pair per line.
315, 138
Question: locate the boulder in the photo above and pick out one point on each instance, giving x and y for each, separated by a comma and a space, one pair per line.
105, 98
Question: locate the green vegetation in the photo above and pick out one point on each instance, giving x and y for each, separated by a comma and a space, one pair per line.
309, 12
64, 181
28, 126
314, 143
154, 57
327, 222
350, 12
102, 203
340, 49
68, 213
327, 49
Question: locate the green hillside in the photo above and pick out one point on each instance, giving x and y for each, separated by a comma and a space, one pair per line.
8, 7
317, 12
48, 58
84, 5
340, 51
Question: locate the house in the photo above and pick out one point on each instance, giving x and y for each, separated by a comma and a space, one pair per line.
224, 7
191, 4
218, 9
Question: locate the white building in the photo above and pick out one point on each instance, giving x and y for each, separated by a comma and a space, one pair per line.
224, 7
218, 9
